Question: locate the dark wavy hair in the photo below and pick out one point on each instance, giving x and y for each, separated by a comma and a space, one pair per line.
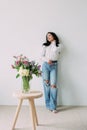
55, 38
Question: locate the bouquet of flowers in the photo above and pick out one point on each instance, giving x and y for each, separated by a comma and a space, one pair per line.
26, 69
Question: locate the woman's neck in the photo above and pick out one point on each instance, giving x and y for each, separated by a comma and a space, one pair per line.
53, 42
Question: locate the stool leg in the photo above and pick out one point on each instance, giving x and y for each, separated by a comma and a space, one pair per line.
35, 114
16, 114
32, 113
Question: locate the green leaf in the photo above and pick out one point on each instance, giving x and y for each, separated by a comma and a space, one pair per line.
17, 75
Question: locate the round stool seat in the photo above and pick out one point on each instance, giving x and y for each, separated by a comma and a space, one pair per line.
30, 94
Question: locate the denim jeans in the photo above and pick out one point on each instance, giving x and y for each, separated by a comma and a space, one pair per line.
49, 72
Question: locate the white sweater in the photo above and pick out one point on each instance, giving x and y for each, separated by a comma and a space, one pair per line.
50, 52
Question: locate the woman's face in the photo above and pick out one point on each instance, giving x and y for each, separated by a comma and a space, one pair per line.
50, 38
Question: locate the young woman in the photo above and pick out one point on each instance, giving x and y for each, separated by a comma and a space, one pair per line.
50, 54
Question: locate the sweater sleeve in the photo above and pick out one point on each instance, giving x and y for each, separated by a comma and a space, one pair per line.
43, 52
60, 48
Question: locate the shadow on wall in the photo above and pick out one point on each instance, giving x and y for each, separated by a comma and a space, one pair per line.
66, 85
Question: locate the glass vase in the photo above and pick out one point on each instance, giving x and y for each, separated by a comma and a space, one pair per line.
25, 84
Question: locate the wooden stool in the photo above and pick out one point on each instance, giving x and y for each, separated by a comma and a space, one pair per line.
30, 96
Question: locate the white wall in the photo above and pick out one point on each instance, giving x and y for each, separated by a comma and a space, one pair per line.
23, 26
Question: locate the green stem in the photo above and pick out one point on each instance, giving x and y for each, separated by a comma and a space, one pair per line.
26, 86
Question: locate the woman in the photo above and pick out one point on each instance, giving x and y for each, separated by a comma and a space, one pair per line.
50, 54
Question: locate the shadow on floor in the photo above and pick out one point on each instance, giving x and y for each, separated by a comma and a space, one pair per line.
65, 108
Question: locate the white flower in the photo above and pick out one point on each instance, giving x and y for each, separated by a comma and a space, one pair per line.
23, 72
26, 72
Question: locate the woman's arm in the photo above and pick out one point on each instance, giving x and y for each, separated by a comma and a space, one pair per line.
43, 52
60, 48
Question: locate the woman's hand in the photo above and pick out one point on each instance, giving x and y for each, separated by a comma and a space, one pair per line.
50, 62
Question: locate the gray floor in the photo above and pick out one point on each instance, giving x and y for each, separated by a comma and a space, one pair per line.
67, 118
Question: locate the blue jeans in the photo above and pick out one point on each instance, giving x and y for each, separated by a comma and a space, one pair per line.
49, 73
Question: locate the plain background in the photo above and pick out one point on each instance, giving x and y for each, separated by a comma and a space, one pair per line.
23, 26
